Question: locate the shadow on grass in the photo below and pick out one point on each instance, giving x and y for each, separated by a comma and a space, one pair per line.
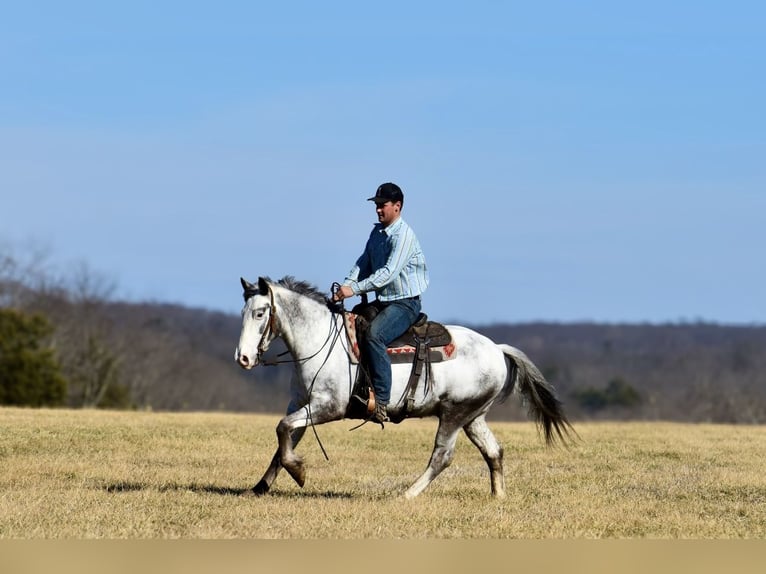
124, 486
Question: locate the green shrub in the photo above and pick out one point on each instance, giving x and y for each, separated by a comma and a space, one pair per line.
29, 371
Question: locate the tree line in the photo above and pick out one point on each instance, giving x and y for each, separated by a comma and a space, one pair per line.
87, 349
66, 341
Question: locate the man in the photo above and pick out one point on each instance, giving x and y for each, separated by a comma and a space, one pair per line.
393, 266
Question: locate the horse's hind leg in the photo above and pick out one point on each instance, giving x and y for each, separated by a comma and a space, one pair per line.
480, 435
441, 457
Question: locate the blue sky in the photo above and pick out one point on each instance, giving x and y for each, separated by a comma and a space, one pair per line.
561, 161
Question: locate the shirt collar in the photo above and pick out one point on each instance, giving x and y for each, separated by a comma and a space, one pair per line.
393, 228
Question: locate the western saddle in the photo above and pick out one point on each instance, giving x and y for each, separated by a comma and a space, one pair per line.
424, 343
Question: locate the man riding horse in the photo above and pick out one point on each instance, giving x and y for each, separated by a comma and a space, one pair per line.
394, 267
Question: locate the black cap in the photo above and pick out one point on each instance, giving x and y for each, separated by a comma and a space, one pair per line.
388, 192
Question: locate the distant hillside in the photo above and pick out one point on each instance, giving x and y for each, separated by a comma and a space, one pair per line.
169, 357
683, 372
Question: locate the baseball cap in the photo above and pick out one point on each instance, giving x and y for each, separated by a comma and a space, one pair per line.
388, 192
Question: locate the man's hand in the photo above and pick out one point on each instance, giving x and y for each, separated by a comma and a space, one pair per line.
343, 293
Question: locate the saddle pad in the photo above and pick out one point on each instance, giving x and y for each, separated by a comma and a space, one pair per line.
399, 351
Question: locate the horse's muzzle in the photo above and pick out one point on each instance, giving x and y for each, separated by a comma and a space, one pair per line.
246, 362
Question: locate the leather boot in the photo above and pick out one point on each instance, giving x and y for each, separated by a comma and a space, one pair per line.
380, 415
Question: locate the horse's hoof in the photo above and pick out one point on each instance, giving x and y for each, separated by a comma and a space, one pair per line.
258, 490
297, 471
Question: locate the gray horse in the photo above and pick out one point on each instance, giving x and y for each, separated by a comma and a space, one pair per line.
463, 388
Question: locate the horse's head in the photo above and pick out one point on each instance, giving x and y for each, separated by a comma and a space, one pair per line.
258, 323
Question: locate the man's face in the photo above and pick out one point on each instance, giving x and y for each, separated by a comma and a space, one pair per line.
388, 212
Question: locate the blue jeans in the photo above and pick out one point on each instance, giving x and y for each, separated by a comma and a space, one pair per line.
393, 320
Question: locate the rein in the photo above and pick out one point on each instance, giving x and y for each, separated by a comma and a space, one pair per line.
272, 329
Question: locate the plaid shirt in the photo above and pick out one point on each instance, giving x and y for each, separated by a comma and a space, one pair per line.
392, 265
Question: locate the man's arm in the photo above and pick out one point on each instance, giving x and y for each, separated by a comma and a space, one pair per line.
360, 268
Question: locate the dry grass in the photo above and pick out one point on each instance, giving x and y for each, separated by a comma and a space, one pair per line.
93, 474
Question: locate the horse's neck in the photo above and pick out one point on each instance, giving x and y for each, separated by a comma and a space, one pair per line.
305, 325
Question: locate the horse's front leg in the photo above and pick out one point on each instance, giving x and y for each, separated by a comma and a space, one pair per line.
297, 401
312, 414
292, 463
271, 473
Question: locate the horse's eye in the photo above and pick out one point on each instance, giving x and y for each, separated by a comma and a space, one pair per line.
258, 314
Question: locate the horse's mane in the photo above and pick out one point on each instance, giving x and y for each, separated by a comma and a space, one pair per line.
302, 288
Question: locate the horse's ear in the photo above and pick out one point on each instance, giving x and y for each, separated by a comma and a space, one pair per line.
263, 285
249, 289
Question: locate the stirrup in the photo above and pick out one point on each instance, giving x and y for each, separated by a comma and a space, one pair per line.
369, 403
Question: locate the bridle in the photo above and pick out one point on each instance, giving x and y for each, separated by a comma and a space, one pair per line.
271, 329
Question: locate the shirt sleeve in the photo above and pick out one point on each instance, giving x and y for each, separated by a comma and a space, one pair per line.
360, 270
356, 271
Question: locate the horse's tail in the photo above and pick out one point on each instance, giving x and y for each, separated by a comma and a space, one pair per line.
538, 395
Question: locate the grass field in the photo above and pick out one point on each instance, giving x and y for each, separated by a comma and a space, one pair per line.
96, 474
